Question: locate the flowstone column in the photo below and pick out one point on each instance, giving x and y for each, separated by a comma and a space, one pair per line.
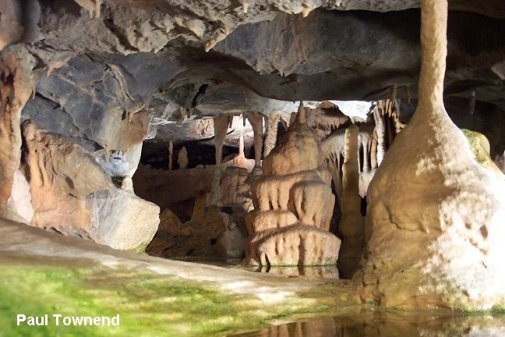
351, 223
15, 90
435, 220
293, 204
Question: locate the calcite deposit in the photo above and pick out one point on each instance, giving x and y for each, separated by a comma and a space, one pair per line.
72, 194
434, 224
293, 202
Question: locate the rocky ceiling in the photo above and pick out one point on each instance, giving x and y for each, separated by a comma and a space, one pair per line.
114, 62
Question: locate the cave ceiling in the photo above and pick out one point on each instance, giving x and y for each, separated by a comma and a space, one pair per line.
179, 60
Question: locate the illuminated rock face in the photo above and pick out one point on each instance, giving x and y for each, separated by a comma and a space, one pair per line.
293, 204
72, 194
435, 222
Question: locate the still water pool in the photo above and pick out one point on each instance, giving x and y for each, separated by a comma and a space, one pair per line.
386, 324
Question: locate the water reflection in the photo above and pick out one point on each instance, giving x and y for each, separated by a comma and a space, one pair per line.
390, 325
327, 272
311, 271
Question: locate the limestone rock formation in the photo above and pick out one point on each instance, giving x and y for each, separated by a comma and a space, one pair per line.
434, 224
293, 204
11, 25
271, 137
122, 220
351, 223
208, 234
15, 90
71, 193
19, 205
182, 158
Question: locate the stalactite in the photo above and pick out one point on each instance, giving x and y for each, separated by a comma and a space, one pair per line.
380, 135
256, 121
170, 155
220, 34
292, 118
351, 223
220, 128
333, 149
271, 138
373, 151
182, 158
221, 124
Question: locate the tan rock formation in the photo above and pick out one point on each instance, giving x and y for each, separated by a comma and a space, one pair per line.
333, 150
72, 194
256, 121
434, 225
19, 206
122, 220
221, 124
236, 189
240, 159
182, 158
351, 223
204, 236
11, 27
170, 155
15, 90
220, 128
188, 183
298, 244
271, 138
293, 204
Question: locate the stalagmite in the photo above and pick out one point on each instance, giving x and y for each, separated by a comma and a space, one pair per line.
351, 223
293, 204
182, 158
15, 90
434, 225
271, 138
256, 121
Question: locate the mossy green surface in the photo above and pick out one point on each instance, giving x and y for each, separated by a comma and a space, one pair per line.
481, 150
149, 304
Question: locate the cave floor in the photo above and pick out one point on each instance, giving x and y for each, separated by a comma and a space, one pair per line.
46, 273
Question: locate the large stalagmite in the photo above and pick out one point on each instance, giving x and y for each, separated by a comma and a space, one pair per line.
293, 204
435, 221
